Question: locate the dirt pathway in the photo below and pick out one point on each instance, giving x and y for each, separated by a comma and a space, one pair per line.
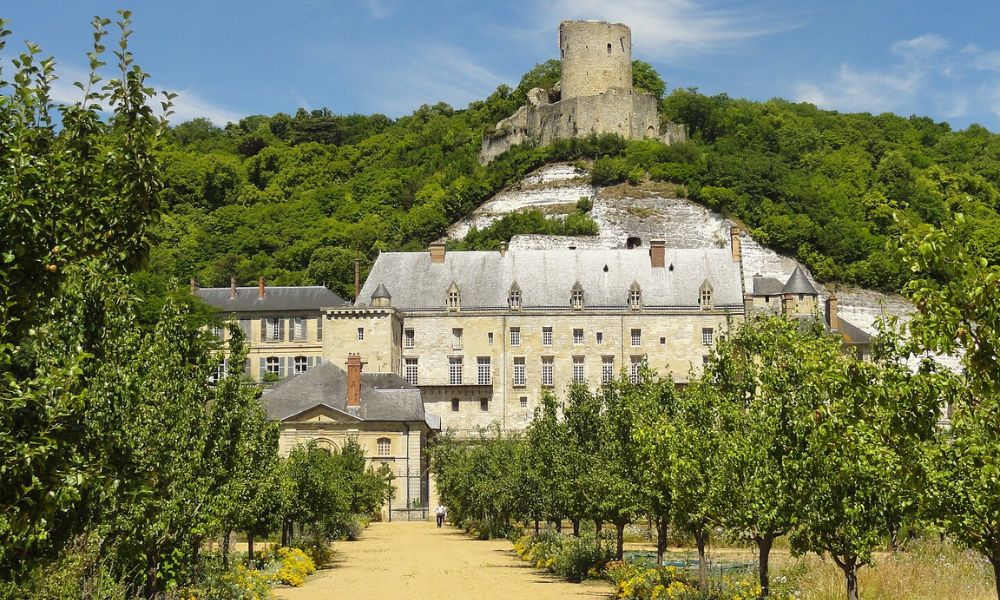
414, 561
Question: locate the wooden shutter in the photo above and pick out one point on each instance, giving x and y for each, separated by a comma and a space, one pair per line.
263, 329
281, 367
246, 367
319, 328
263, 368
305, 329
281, 329
310, 362
245, 326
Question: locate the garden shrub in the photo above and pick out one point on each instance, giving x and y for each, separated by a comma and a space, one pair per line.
289, 566
609, 171
238, 583
574, 559
317, 548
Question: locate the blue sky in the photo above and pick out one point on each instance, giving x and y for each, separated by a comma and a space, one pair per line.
229, 58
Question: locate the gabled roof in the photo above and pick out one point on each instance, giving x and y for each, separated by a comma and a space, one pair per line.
798, 283
548, 276
384, 396
766, 286
276, 298
853, 334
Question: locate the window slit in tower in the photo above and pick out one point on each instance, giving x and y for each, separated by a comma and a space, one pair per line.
622, 40
609, 48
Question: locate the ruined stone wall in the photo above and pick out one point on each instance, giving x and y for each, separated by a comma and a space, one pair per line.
627, 113
596, 56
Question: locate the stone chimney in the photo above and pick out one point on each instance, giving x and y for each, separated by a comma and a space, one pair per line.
657, 253
734, 241
831, 313
260, 288
788, 304
194, 285
437, 252
503, 249
353, 380
232, 288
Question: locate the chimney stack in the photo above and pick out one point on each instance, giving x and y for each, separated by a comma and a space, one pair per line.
437, 252
831, 313
747, 305
353, 380
232, 288
194, 286
657, 253
788, 304
734, 241
260, 288
503, 249
357, 280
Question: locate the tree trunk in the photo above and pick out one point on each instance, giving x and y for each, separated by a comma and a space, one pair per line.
284, 533
661, 539
995, 561
195, 558
700, 537
250, 550
764, 555
576, 528
558, 523
536, 526
225, 549
850, 569
620, 547
149, 590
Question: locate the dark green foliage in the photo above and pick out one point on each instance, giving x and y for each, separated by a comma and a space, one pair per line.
531, 221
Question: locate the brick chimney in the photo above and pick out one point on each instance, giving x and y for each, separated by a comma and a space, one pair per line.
232, 288
353, 380
734, 241
194, 285
260, 288
437, 252
831, 313
503, 249
657, 253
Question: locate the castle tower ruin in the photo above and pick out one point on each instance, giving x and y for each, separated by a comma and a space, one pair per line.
596, 57
594, 97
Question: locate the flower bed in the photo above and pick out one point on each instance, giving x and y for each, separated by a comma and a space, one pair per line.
570, 557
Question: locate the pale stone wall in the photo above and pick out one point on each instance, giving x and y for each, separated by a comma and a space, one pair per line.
379, 348
285, 351
595, 56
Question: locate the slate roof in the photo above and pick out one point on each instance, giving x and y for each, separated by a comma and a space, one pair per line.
798, 283
766, 286
384, 396
853, 333
276, 298
546, 278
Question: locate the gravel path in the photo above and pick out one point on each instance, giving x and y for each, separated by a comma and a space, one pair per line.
403, 561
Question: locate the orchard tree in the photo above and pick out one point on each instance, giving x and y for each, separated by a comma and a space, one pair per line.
545, 441
582, 415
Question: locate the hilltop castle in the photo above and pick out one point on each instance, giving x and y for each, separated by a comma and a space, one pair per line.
595, 95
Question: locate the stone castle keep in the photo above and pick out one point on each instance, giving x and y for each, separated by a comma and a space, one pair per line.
595, 95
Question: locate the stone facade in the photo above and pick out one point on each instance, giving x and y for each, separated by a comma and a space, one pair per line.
595, 95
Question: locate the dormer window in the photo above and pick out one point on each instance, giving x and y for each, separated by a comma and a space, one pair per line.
576, 297
705, 295
454, 297
514, 297
635, 296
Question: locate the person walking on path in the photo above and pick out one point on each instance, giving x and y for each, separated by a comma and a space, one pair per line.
440, 513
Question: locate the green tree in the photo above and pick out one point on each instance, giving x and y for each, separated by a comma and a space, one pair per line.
646, 79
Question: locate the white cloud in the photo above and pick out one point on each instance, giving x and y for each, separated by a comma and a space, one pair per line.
867, 91
668, 29
986, 61
920, 48
189, 105
377, 9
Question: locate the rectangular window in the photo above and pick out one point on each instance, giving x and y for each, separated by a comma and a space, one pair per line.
217, 331
663, 341
410, 373
273, 329
515, 336
546, 336
245, 326
635, 369
361, 334
636, 337
301, 364
300, 328
319, 329
489, 338
547, 370
524, 402
408, 338
454, 405
600, 337
272, 364
455, 370
383, 446
519, 376
579, 370
484, 371
707, 333
577, 336
607, 369
484, 405
456, 338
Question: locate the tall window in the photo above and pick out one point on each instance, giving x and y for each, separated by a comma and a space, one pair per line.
523, 401
519, 377
301, 365
454, 297
546, 336
577, 336
514, 297
217, 331
272, 364
454, 405
383, 446
579, 370
484, 371
600, 337
484, 404
576, 297
408, 338
635, 369
636, 337
707, 333
515, 336
273, 329
607, 369
455, 370
319, 329
634, 296
489, 338
298, 329
361, 334
245, 326
410, 373
456, 338
705, 295
547, 368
